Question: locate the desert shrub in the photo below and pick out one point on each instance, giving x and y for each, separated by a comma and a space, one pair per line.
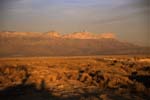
145, 68
68, 75
85, 78
12, 75
119, 81
139, 87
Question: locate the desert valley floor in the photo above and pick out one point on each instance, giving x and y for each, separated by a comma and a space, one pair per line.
75, 78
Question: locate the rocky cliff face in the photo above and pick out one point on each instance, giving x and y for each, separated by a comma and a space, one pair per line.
87, 35
52, 34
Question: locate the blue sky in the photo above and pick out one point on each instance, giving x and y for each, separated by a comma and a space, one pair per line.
126, 18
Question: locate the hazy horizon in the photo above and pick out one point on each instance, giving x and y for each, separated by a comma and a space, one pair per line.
128, 19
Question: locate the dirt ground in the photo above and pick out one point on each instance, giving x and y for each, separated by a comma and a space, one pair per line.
75, 78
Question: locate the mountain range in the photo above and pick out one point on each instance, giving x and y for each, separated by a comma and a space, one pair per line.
53, 34
52, 43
